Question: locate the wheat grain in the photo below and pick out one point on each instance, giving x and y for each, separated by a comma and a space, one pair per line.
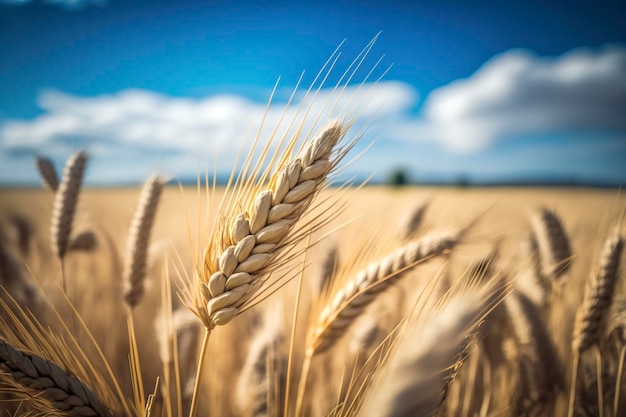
42, 378
138, 241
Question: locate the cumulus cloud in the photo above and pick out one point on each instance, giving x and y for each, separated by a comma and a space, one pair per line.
518, 94
151, 128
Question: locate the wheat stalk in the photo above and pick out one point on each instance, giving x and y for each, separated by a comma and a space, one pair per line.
65, 202
36, 377
246, 244
137, 245
48, 173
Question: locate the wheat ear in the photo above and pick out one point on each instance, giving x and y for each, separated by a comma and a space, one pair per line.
416, 376
411, 222
138, 241
65, 202
48, 173
350, 300
253, 238
541, 372
591, 317
553, 244
14, 280
328, 268
260, 389
41, 378
83, 242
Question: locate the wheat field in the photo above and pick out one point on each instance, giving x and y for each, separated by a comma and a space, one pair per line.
487, 285
291, 293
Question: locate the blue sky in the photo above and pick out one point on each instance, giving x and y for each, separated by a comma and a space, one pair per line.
488, 91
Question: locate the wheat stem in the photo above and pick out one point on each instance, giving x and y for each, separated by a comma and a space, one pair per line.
304, 376
196, 387
618, 379
599, 381
572, 391
292, 340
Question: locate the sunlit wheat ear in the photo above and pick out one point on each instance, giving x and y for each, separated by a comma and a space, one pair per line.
591, 316
48, 173
247, 243
260, 389
412, 220
349, 301
540, 368
138, 241
65, 202
47, 383
553, 245
414, 380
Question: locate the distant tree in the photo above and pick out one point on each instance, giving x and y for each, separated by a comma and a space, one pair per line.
462, 181
398, 177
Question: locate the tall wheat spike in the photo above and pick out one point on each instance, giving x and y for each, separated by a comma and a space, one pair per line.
260, 388
138, 241
411, 222
328, 267
414, 380
65, 202
553, 244
350, 300
85, 241
42, 378
48, 173
591, 317
540, 368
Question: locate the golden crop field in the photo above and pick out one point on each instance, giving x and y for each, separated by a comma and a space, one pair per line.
456, 315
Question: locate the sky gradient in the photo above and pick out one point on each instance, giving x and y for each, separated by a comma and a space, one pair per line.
487, 92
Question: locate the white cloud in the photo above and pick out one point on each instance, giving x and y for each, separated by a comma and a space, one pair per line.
137, 131
517, 93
